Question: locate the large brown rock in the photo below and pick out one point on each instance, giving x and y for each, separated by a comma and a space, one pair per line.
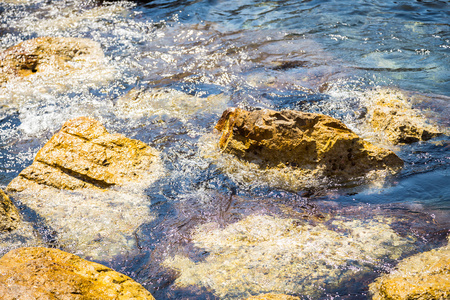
47, 55
299, 140
390, 112
84, 155
9, 216
42, 273
424, 276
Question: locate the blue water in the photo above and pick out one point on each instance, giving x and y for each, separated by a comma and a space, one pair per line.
267, 54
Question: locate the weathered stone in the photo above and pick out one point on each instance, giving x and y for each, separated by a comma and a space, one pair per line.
313, 143
47, 55
424, 276
390, 112
43, 273
84, 155
271, 296
88, 186
261, 254
9, 216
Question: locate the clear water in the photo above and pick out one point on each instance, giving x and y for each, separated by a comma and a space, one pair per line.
267, 54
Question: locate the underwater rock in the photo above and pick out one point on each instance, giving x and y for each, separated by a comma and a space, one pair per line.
308, 142
273, 297
265, 254
9, 215
171, 102
390, 112
49, 56
84, 155
67, 187
422, 276
43, 273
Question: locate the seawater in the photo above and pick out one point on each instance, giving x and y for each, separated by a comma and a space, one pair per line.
319, 56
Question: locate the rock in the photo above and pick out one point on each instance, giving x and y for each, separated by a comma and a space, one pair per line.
273, 297
262, 254
423, 276
84, 155
9, 215
390, 112
47, 56
171, 102
43, 273
88, 188
313, 143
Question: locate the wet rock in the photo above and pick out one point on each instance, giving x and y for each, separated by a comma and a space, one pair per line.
307, 142
390, 112
171, 102
422, 276
273, 297
84, 155
9, 215
43, 273
87, 188
49, 56
247, 257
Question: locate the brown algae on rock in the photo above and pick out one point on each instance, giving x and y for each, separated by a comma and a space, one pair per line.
390, 112
295, 150
262, 254
422, 276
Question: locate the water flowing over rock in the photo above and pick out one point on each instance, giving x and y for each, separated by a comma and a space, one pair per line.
88, 186
312, 145
84, 155
391, 113
9, 216
273, 297
43, 273
49, 55
262, 254
422, 276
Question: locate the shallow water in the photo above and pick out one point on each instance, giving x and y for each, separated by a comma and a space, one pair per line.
320, 56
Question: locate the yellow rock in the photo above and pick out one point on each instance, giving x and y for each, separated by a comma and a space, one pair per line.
424, 276
313, 144
391, 113
47, 55
43, 273
9, 216
84, 155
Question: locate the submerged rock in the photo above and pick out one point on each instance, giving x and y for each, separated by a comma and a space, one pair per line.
47, 56
87, 186
171, 102
84, 155
43, 273
311, 145
262, 254
423, 276
9, 215
273, 297
390, 112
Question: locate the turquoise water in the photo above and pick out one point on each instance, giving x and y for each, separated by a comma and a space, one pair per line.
307, 55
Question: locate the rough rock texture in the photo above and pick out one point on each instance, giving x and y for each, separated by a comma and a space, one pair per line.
47, 55
9, 216
390, 112
424, 276
84, 155
273, 297
301, 140
262, 254
43, 273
